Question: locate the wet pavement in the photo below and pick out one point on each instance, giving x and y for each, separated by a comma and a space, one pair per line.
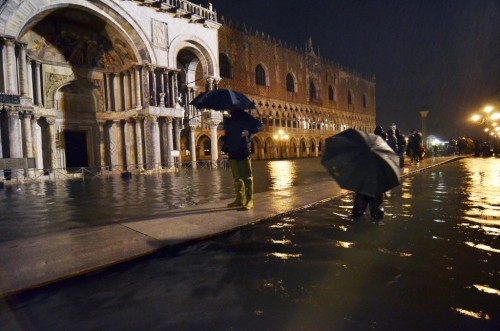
102, 240
432, 266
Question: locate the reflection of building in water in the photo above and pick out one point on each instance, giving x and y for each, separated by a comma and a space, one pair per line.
89, 85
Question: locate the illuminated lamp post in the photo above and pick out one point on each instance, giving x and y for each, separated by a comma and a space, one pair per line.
281, 137
488, 117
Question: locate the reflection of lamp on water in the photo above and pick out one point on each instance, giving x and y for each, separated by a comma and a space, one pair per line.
281, 137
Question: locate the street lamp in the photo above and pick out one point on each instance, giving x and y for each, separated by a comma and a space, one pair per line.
489, 118
281, 137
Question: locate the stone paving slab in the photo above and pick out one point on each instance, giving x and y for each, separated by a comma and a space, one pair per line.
40, 260
37, 261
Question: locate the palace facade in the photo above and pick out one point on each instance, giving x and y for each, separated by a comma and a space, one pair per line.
106, 84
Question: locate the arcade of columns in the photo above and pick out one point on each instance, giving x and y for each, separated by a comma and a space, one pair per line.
142, 122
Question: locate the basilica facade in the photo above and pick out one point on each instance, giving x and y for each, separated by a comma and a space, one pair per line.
107, 84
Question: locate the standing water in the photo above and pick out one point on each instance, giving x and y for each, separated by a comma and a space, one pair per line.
434, 265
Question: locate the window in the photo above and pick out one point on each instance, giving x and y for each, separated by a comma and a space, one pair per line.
331, 93
260, 76
312, 91
290, 84
224, 66
349, 97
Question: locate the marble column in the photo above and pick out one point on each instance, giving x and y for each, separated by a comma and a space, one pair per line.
175, 87
37, 142
10, 63
138, 143
28, 140
23, 76
127, 90
170, 141
115, 92
166, 89
133, 88
102, 144
52, 141
155, 142
152, 86
214, 149
38, 84
114, 143
178, 129
192, 145
14, 133
129, 144
29, 77
109, 104
138, 86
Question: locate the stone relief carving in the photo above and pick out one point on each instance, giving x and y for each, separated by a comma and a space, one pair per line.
159, 34
53, 82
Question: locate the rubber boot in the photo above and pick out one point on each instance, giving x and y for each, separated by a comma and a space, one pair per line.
249, 193
238, 190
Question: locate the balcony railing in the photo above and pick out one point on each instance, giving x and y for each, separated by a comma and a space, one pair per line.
184, 7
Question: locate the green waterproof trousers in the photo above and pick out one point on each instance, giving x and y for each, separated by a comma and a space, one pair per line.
243, 183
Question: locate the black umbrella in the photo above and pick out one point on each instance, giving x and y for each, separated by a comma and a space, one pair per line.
222, 100
361, 162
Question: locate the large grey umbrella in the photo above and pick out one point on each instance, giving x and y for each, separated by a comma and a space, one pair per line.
222, 99
361, 162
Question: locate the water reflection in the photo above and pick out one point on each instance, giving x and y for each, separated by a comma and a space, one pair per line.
314, 269
45, 207
282, 173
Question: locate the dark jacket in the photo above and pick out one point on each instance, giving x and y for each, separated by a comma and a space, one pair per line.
392, 141
235, 145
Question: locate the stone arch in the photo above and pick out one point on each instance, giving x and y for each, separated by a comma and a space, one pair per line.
27, 14
255, 148
268, 148
203, 147
199, 48
293, 148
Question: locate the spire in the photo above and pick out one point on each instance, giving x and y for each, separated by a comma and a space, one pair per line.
309, 47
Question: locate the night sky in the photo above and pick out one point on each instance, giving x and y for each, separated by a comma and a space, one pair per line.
437, 55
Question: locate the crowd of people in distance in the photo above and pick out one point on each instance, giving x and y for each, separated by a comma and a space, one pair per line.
411, 147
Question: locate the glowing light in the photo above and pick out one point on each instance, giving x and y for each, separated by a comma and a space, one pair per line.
487, 289
344, 244
483, 247
479, 315
281, 242
475, 117
284, 256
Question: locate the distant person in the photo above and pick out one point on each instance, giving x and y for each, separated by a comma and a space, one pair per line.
401, 147
361, 201
392, 141
239, 128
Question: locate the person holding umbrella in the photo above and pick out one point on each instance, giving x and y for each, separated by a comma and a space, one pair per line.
239, 128
361, 201
365, 164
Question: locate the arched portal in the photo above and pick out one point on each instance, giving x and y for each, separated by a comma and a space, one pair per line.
81, 66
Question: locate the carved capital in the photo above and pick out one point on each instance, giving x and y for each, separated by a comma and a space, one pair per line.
50, 120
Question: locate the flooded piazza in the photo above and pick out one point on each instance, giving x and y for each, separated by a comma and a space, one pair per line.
433, 265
